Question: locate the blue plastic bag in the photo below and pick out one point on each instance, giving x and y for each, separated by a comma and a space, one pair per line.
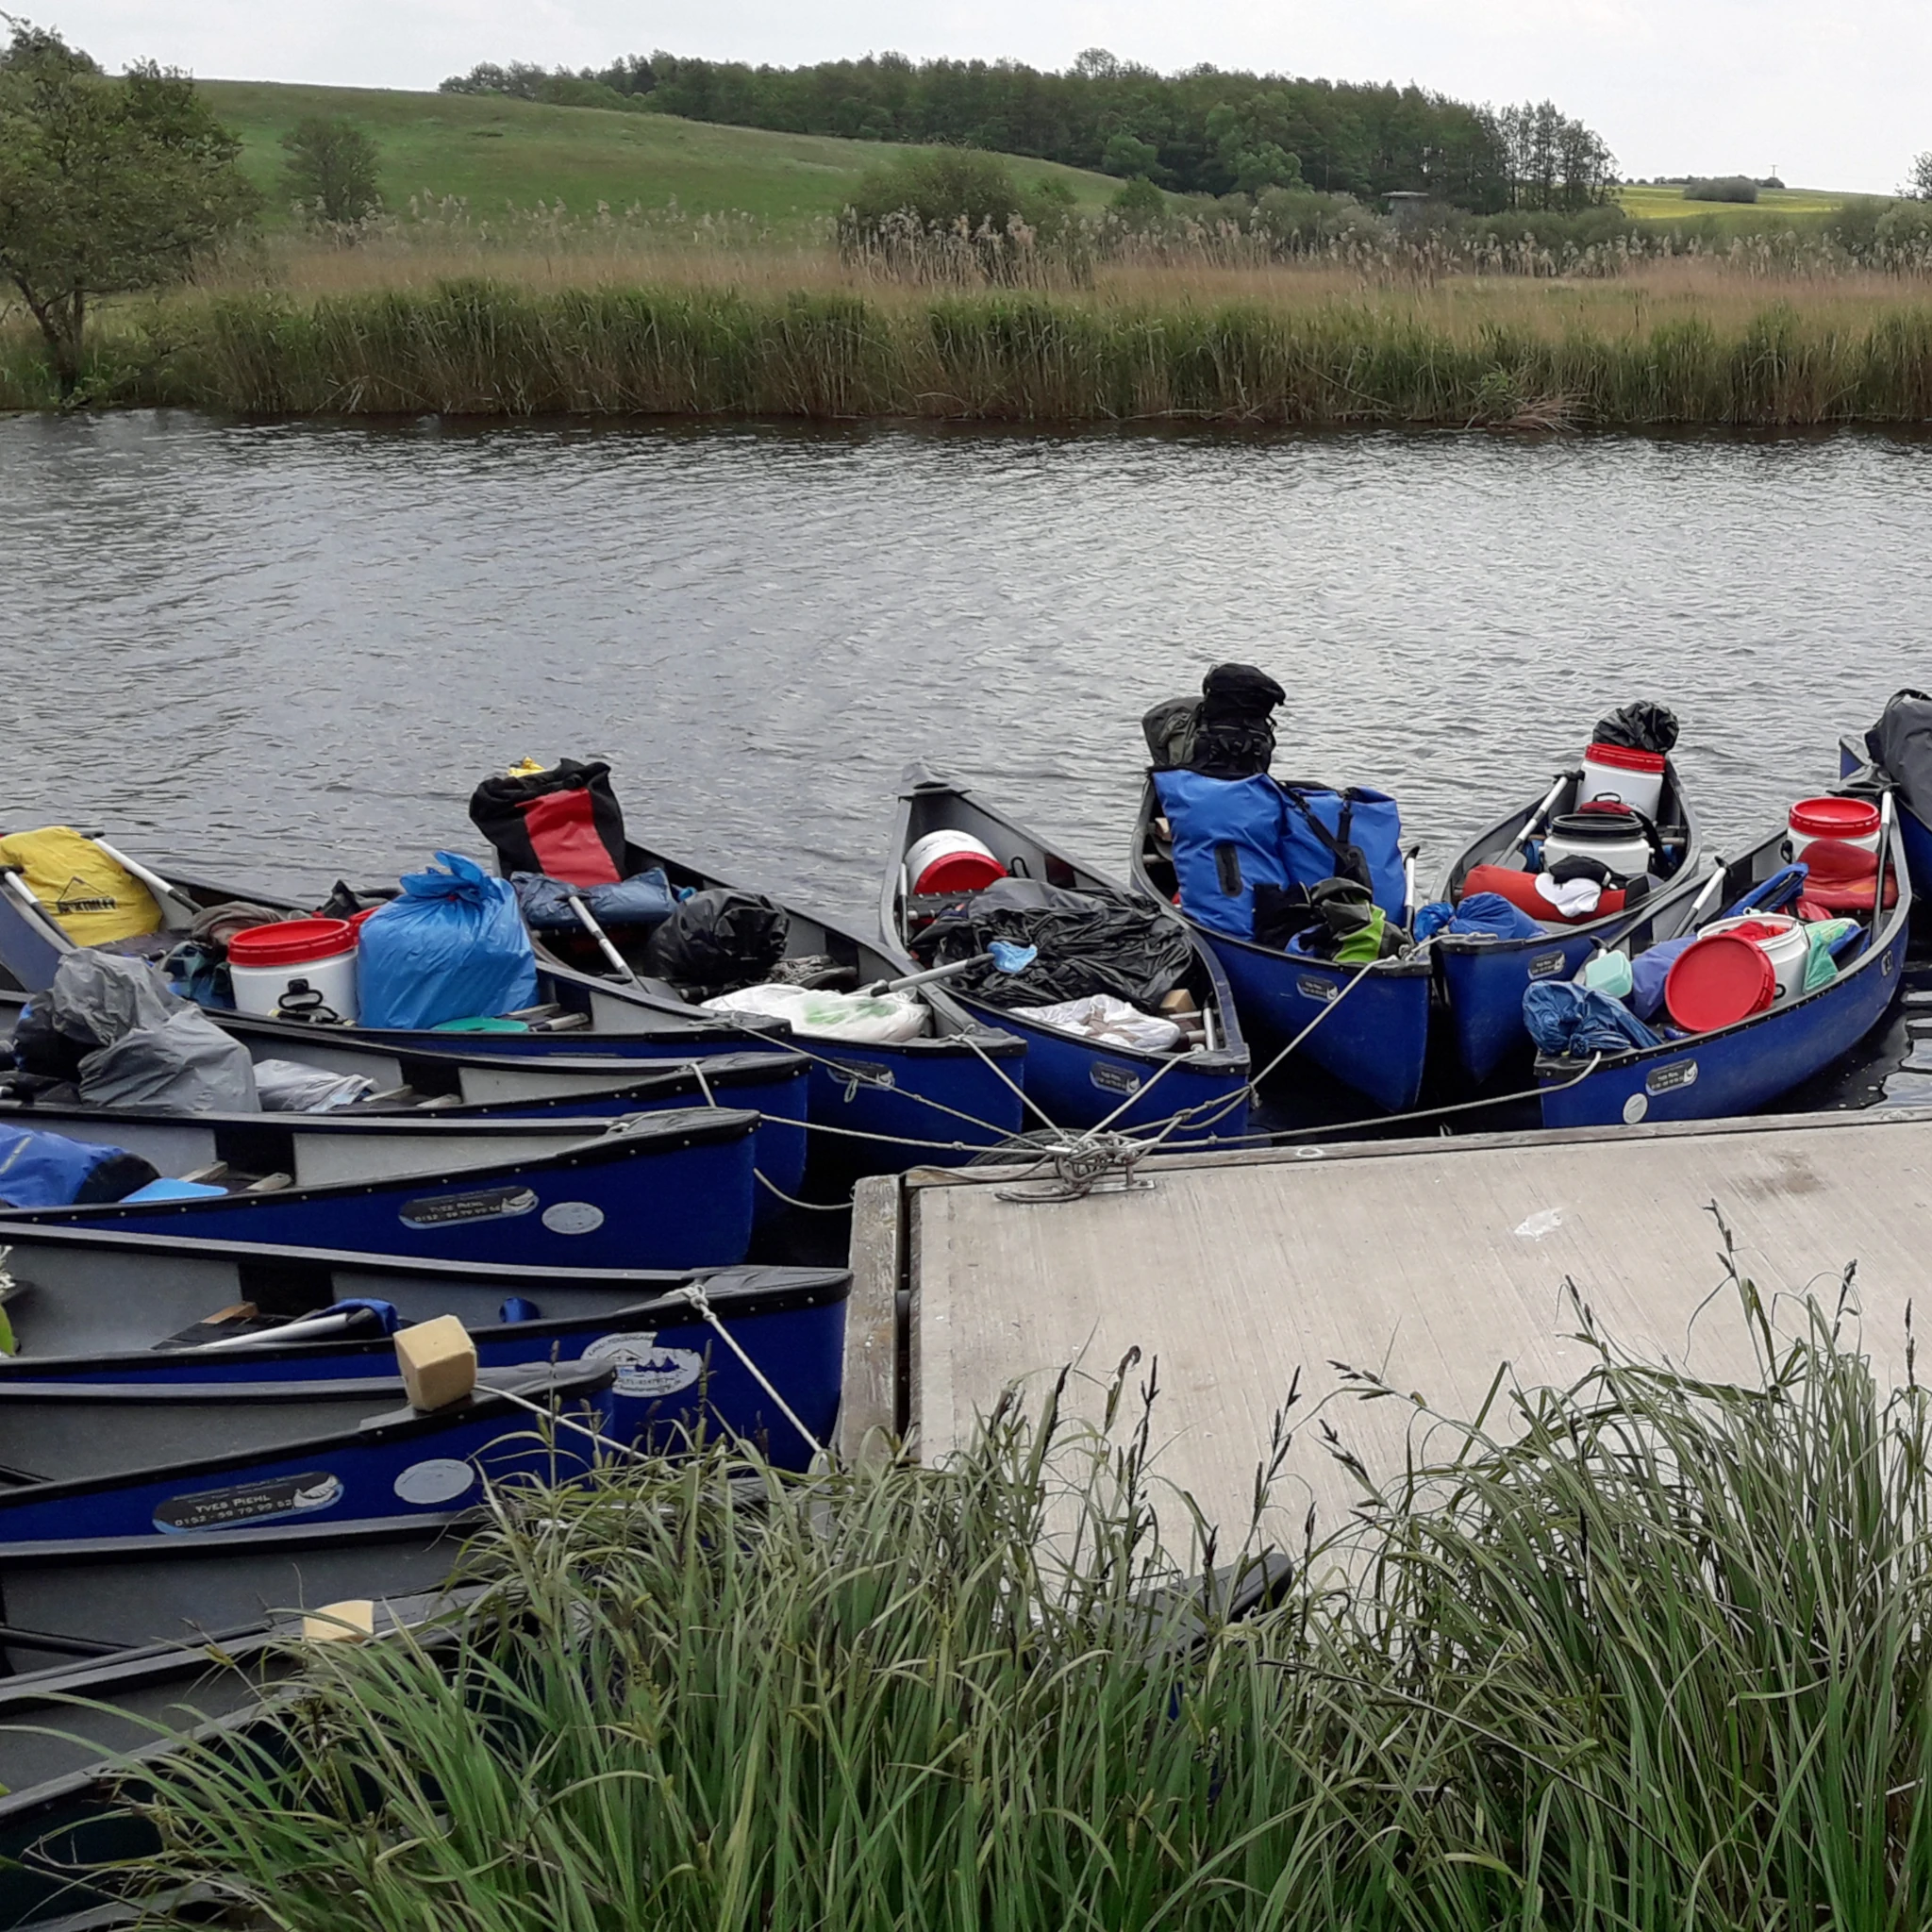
646, 899
1573, 1022
452, 947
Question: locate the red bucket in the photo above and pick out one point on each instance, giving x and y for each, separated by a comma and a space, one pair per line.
1720, 979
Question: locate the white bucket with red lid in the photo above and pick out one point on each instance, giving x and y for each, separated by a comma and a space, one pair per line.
1845, 821
302, 967
943, 863
1616, 772
1782, 940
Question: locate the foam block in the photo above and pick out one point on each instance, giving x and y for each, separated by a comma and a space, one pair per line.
349, 1622
438, 1362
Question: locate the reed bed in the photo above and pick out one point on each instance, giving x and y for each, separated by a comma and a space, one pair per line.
1463, 358
1644, 1653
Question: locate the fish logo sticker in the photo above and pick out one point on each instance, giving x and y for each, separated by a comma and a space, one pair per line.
644, 1368
262, 1502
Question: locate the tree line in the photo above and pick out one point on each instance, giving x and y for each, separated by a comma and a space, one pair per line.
1205, 131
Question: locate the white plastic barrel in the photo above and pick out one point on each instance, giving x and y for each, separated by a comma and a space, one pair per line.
1847, 821
1613, 840
303, 965
945, 862
1635, 778
1786, 945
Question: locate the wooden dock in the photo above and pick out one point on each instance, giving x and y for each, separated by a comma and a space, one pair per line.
1435, 1265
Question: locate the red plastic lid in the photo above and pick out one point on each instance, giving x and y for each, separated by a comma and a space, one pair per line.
294, 942
1719, 981
1625, 757
1834, 818
958, 872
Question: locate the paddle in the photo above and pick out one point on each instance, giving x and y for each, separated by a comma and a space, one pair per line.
152, 880
620, 964
1535, 824
379, 1318
1884, 856
1008, 956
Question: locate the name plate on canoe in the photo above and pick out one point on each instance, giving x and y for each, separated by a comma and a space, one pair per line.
1113, 1079
1312, 989
1667, 1079
1547, 963
478, 1204
284, 1495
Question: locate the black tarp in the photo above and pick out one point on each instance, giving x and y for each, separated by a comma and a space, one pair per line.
1089, 943
1900, 744
1640, 726
719, 939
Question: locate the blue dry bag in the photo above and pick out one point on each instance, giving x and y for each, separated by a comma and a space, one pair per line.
452, 947
1227, 842
1322, 827
39, 1170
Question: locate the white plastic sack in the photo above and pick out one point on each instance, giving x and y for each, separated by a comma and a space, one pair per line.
1102, 1017
185, 1064
862, 1019
286, 1087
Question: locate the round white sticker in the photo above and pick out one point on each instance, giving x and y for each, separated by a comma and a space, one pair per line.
643, 1367
1635, 1109
441, 1480
572, 1217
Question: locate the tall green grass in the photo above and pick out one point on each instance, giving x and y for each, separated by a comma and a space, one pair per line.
485, 348
1654, 1656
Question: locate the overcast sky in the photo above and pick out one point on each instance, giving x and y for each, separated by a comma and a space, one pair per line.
1832, 94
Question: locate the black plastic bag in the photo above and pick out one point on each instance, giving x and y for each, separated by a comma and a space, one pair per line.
1640, 726
719, 939
1089, 943
1234, 736
1900, 744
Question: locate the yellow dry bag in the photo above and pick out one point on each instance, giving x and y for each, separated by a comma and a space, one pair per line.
96, 898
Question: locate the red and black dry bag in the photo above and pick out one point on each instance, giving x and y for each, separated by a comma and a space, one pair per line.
564, 822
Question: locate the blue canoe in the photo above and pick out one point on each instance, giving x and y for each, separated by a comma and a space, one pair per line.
1853, 764
1377, 1041
424, 1095
931, 1102
1075, 1082
105, 1309
1483, 980
1738, 1068
659, 1190
403, 1462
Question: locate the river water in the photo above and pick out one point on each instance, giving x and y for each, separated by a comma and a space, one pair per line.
286, 651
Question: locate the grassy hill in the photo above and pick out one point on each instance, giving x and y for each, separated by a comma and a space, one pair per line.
493, 151
1668, 205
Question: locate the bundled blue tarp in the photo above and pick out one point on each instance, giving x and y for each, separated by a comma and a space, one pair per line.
646, 898
1573, 1022
451, 947
1482, 915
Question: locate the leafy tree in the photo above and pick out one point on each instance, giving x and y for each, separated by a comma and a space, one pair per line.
106, 186
331, 168
1919, 183
940, 188
1127, 154
1140, 205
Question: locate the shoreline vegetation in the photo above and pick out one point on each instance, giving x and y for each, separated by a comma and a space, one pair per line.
726, 330
1058, 297
1645, 1652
